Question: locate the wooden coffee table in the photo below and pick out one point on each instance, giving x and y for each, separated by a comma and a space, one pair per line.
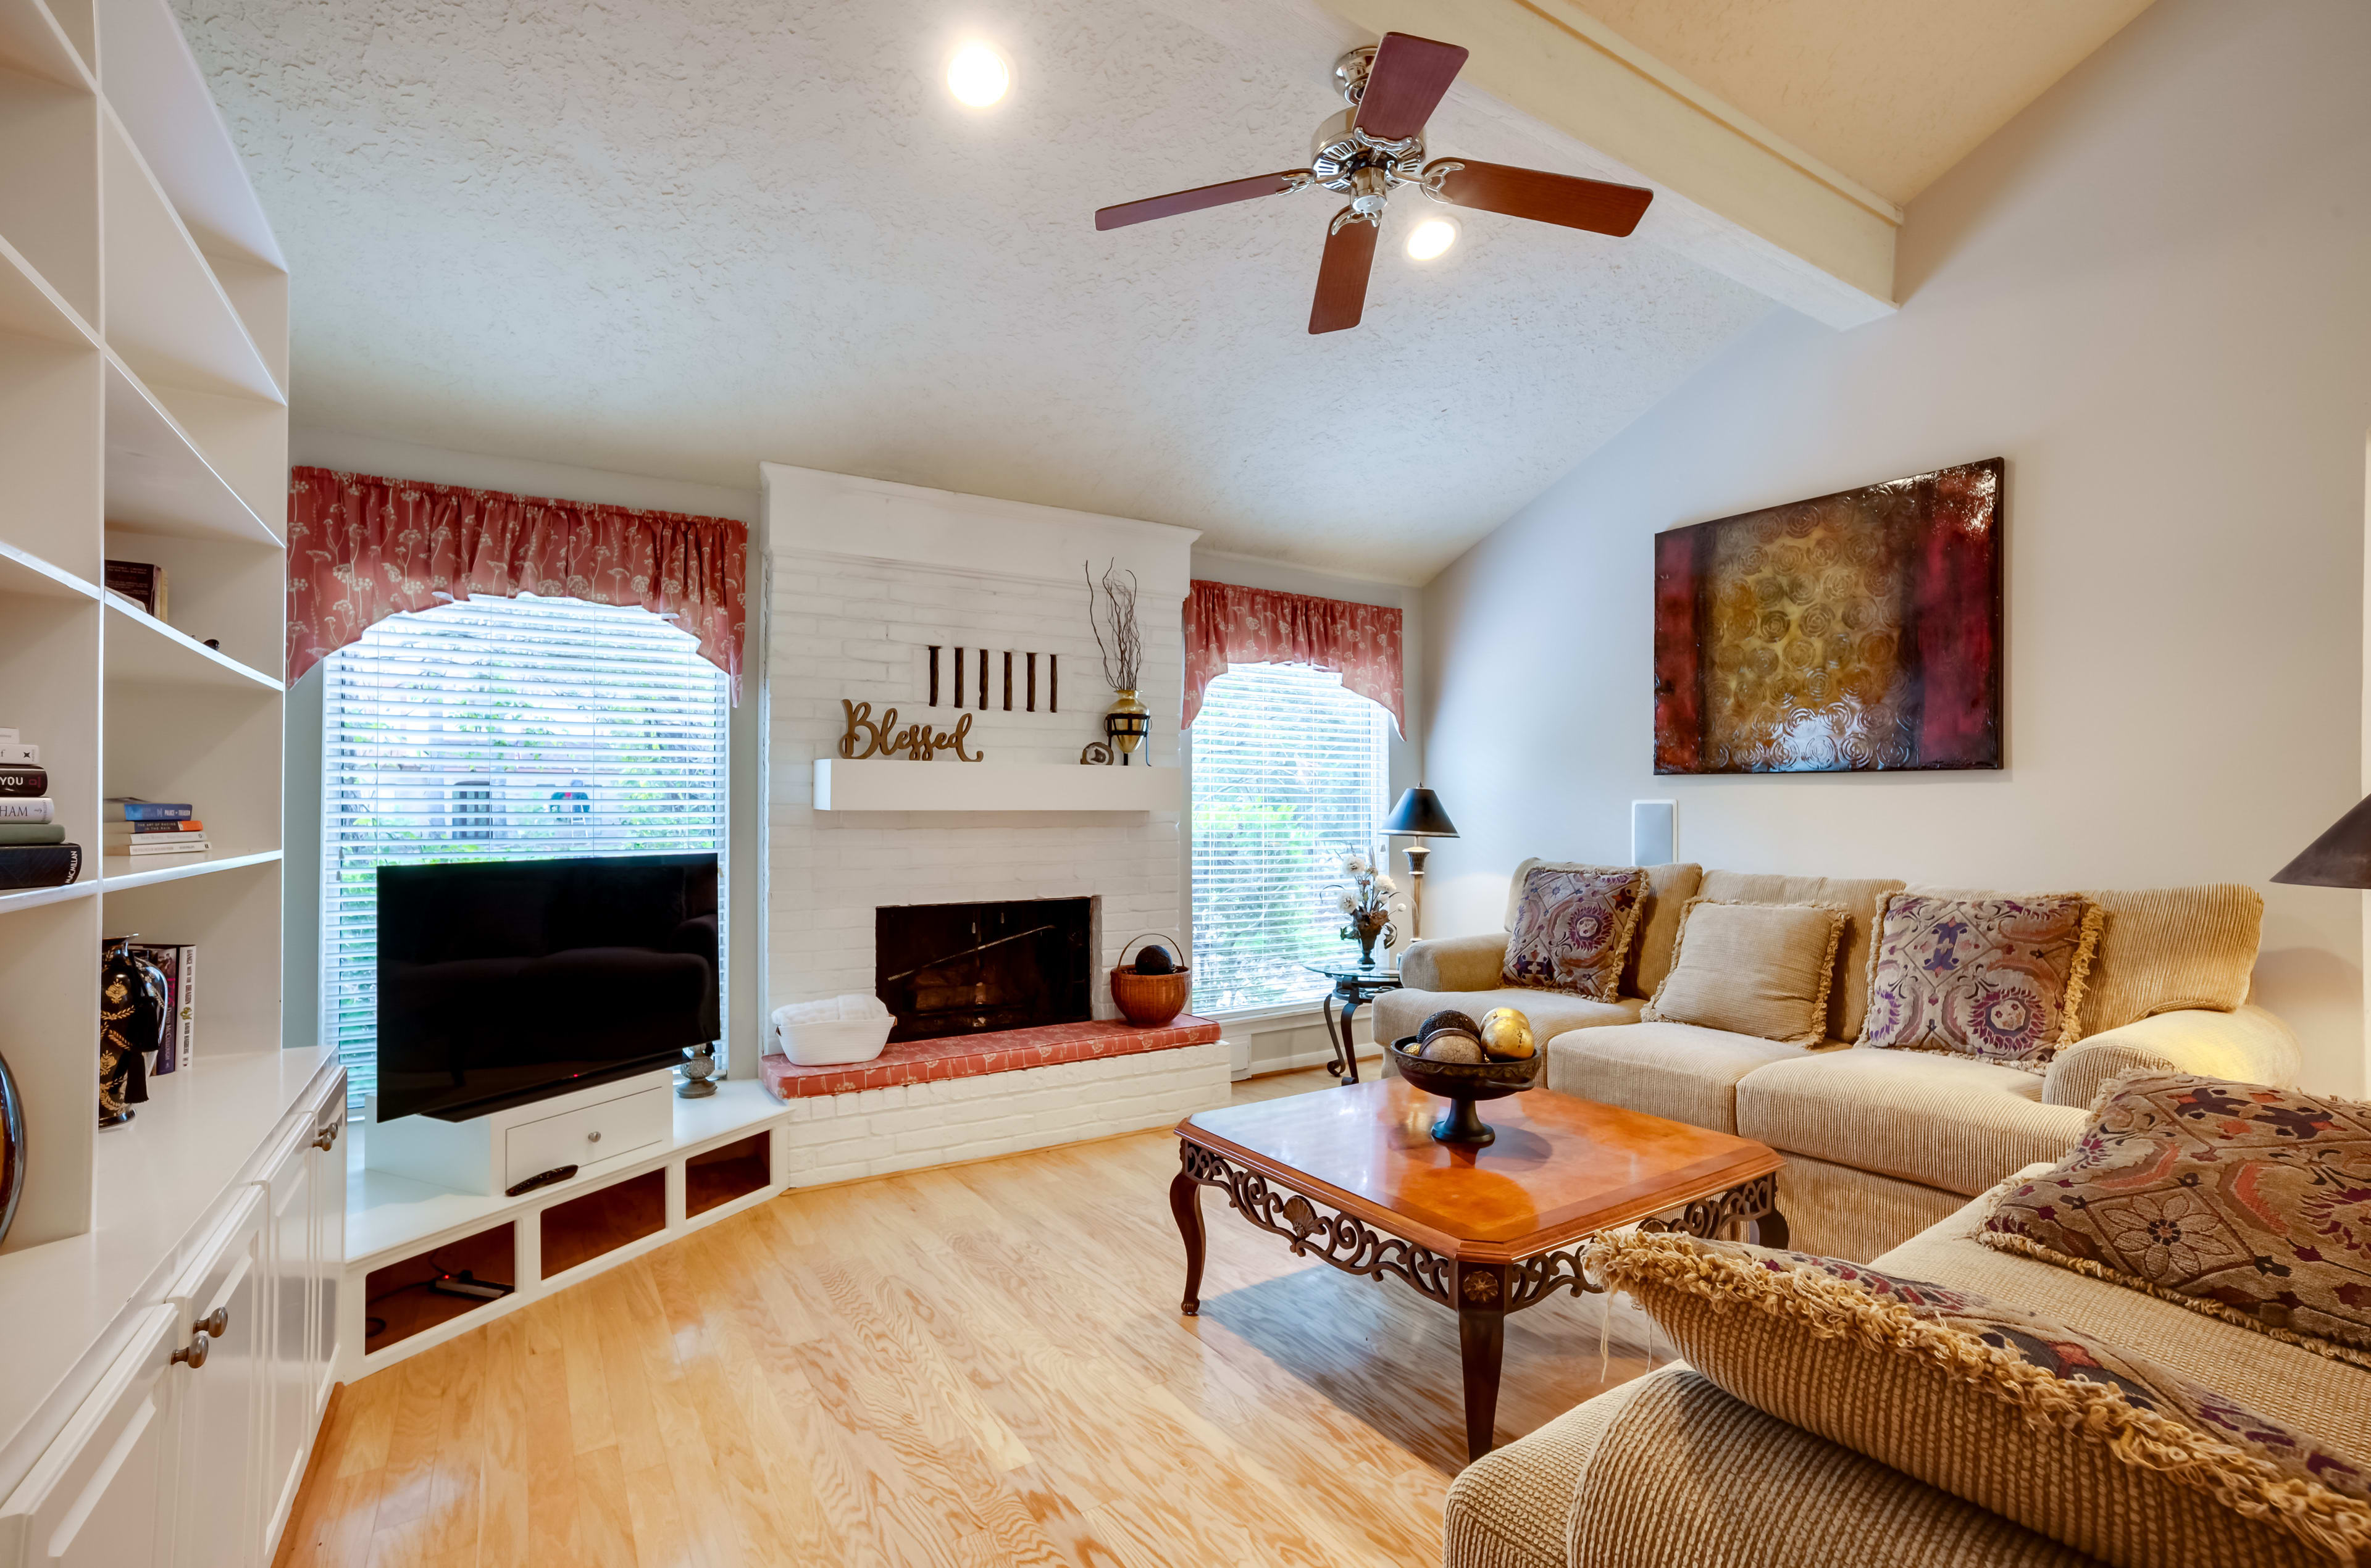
1352, 1175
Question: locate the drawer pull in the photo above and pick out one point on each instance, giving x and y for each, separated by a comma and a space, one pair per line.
215, 1322
327, 1139
195, 1356
592, 1138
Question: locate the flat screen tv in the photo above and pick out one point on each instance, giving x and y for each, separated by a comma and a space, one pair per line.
502, 982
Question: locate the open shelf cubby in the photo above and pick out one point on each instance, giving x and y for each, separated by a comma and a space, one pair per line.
397, 1301
717, 1176
603, 1220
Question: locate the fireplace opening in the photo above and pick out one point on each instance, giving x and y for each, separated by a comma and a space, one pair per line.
971, 968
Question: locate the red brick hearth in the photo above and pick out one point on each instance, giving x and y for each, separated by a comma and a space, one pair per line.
968, 1055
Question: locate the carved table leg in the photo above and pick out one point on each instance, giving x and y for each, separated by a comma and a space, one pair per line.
1770, 1230
1333, 1036
1482, 1340
1348, 1045
1185, 1202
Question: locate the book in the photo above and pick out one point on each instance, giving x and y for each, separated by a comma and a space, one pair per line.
26, 866
178, 961
16, 754
32, 833
192, 825
131, 808
162, 844
17, 782
20, 808
139, 582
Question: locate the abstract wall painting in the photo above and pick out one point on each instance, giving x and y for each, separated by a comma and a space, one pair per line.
1856, 632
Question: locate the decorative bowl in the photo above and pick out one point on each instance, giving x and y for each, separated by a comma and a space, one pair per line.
1463, 1083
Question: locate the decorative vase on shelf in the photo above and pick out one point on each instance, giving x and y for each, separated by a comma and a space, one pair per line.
131, 1020
1366, 927
1126, 723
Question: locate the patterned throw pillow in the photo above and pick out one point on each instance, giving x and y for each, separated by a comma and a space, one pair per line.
1999, 979
1572, 929
2248, 1204
2075, 1437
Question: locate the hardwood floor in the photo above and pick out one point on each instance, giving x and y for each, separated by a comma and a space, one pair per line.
982, 1365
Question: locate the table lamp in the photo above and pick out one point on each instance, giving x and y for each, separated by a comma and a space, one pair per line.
1419, 815
2340, 857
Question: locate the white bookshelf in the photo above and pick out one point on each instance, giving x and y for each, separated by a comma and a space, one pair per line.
144, 353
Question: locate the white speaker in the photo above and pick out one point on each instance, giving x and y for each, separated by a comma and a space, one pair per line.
1654, 831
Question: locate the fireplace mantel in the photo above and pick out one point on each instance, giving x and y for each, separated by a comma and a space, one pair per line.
877, 784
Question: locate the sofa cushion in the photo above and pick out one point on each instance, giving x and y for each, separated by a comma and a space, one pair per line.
1948, 1121
1998, 978
1508, 1509
1857, 897
1763, 969
2069, 1434
1572, 929
1681, 1474
2294, 1386
1455, 964
1396, 1014
1665, 1069
2245, 1203
1841, 1211
2165, 948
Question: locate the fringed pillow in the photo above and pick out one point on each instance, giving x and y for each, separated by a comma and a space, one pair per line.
2068, 1434
1572, 929
1758, 969
1996, 979
2244, 1203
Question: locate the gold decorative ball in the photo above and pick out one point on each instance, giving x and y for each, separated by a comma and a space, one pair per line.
1507, 1035
1450, 1047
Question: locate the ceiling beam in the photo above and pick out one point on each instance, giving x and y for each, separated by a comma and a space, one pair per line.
1816, 238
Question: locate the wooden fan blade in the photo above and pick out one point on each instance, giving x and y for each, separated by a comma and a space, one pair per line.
1546, 197
1342, 278
1405, 85
1193, 201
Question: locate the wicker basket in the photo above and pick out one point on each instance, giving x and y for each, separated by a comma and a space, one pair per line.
1150, 1000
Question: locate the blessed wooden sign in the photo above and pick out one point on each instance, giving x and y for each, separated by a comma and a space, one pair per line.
916, 743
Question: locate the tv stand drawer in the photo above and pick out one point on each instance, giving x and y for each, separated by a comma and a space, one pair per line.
590, 1135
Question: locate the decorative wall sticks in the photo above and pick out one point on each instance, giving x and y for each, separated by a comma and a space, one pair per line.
916, 742
974, 685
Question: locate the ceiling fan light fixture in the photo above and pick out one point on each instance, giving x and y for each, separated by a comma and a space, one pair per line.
1433, 237
978, 75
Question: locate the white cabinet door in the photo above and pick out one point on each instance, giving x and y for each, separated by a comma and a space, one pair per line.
220, 1500
291, 1176
329, 1238
100, 1495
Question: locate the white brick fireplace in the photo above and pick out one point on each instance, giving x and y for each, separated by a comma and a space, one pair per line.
866, 576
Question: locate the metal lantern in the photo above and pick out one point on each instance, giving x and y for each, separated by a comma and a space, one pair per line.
1127, 725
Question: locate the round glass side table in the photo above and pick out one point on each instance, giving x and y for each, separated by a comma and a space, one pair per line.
1353, 988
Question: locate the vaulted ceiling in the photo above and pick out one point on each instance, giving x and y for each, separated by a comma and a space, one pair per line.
679, 237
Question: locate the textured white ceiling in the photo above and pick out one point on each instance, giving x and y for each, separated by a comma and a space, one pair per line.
679, 237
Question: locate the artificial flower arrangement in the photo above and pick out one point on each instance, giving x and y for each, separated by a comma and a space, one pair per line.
1366, 900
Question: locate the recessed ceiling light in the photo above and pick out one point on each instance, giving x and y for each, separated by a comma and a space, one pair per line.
978, 75
1430, 237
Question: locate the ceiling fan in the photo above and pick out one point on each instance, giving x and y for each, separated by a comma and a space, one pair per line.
1376, 145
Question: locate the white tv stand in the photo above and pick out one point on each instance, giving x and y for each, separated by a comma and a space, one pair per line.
594, 1129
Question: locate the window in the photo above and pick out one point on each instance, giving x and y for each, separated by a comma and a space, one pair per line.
1289, 770
501, 729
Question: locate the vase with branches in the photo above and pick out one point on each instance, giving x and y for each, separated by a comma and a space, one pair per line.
1112, 603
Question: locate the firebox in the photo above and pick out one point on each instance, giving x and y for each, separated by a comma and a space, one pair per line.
971, 968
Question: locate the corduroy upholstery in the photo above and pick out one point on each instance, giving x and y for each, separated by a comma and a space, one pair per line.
2248, 1045
1680, 1475
1665, 1069
1840, 1212
2167, 948
1510, 1508
1940, 1120
1456, 963
1397, 1013
1848, 997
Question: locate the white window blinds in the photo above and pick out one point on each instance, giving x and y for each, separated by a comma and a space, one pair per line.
1289, 770
505, 730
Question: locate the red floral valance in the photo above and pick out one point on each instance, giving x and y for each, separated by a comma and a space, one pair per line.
1226, 625
362, 549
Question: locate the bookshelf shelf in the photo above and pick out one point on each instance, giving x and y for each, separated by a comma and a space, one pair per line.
140, 648
30, 307
118, 873
34, 897
22, 572
158, 481
31, 43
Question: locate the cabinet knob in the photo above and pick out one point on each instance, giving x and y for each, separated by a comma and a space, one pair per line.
195, 1356
215, 1322
592, 1138
326, 1138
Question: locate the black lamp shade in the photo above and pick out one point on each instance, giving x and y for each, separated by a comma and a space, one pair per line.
2340, 857
1419, 815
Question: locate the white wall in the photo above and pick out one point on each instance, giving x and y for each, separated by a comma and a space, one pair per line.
1298, 1038
301, 1001
2151, 292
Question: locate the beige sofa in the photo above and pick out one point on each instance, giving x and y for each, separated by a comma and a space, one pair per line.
1668, 1471
1879, 1145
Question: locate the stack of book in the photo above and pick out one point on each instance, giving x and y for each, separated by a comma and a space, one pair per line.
33, 847
136, 827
